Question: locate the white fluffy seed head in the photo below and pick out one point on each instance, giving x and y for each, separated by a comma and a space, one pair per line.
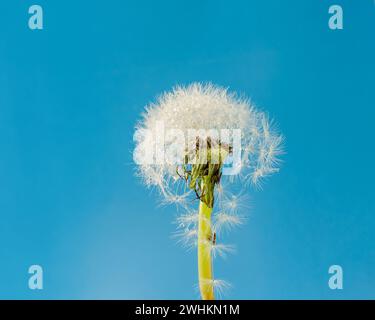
203, 107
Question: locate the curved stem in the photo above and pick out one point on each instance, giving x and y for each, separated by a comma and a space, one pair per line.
204, 252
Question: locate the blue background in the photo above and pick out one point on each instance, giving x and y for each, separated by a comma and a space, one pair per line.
71, 94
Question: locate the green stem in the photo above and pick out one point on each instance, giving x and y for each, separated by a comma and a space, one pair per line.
204, 251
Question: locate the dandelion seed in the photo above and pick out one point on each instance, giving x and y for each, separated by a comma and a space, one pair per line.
225, 221
220, 287
186, 237
274, 151
257, 175
187, 220
233, 203
177, 199
220, 191
222, 250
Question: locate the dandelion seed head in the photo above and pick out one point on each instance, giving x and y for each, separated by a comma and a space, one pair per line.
204, 107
